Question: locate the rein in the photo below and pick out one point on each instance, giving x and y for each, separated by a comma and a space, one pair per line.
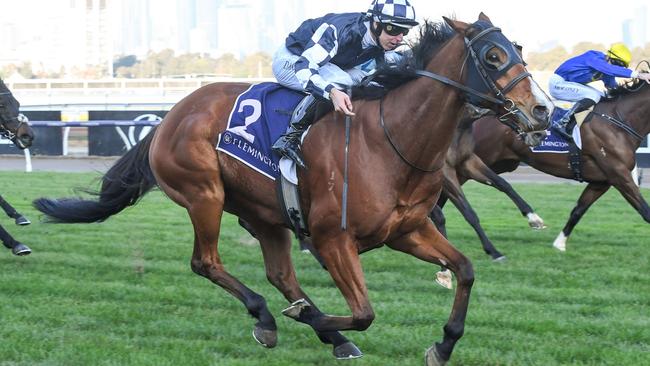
394, 146
500, 100
460, 86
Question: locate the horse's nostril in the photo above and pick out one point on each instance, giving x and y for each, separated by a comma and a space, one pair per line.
540, 112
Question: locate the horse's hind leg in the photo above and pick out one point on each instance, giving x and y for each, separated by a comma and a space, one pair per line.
438, 218
455, 193
474, 168
589, 195
11, 212
205, 212
429, 245
276, 248
17, 248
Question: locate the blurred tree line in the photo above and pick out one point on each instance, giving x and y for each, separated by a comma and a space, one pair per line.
166, 64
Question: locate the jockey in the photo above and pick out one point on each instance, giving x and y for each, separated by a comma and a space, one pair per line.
328, 54
568, 82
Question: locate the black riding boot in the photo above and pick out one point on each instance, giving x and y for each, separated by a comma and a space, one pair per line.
307, 112
579, 106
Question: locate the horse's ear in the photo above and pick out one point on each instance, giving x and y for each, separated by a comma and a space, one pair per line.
456, 25
484, 17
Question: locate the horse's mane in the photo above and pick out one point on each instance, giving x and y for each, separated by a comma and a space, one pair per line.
432, 36
623, 89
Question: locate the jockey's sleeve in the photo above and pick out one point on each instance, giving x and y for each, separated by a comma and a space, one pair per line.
319, 51
608, 69
609, 81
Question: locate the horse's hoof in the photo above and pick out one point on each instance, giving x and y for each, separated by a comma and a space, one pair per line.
500, 259
560, 242
296, 308
347, 351
444, 279
535, 222
21, 249
22, 220
265, 337
432, 358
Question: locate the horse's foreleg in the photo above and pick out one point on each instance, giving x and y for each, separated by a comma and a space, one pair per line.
340, 254
276, 248
589, 195
455, 193
11, 212
206, 213
429, 245
474, 168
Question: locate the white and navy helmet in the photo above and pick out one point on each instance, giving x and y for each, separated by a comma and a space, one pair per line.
396, 12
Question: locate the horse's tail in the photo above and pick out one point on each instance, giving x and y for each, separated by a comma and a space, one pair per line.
123, 185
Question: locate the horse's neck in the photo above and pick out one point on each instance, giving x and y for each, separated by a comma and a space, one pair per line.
428, 110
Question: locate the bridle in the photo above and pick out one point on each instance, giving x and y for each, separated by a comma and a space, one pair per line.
483, 41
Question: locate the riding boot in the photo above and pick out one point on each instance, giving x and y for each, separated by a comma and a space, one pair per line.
306, 113
579, 106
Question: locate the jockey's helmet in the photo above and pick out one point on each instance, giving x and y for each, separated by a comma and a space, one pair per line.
619, 52
396, 12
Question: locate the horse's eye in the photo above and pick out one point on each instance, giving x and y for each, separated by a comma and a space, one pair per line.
492, 58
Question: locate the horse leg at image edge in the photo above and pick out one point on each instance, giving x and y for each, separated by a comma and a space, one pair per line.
430, 246
11, 212
17, 248
276, 248
589, 195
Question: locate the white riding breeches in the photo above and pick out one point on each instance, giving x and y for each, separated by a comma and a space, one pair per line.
570, 91
284, 71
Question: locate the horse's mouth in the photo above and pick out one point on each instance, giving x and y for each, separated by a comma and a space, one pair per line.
23, 142
534, 138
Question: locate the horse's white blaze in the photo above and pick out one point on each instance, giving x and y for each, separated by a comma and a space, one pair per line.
535, 222
540, 96
560, 242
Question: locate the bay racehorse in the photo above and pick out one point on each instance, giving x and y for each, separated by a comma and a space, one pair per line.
610, 135
396, 154
14, 127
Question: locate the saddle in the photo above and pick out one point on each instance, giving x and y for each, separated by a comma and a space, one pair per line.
259, 117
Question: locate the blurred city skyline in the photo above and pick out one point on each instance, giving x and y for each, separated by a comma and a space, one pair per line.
76, 33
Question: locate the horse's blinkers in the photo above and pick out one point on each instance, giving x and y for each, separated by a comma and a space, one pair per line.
482, 75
